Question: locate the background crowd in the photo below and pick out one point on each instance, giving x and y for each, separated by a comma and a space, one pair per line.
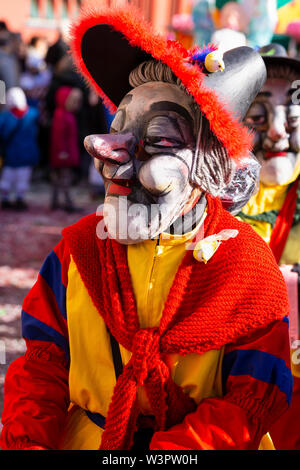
47, 112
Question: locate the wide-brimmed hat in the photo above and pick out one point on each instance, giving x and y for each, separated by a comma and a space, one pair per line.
276, 54
107, 44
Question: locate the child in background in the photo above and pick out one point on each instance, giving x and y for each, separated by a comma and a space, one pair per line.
18, 138
64, 151
35, 80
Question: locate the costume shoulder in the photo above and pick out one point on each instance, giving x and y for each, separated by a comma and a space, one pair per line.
249, 255
247, 245
83, 231
83, 244
246, 267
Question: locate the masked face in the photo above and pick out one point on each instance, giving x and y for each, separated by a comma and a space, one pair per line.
276, 121
146, 162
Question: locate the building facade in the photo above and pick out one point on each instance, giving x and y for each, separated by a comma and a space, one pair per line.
47, 17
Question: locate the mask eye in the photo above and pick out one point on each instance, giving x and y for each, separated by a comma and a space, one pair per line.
256, 120
162, 142
257, 115
293, 121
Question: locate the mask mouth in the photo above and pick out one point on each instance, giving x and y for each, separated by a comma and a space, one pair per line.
119, 188
268, 155
122, 181
130, 187
126, 186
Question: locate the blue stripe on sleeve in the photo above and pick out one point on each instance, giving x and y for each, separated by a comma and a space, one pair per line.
34, 329
51, 273
97, 418
261, 366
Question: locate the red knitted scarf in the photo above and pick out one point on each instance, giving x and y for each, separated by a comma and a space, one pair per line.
209, 305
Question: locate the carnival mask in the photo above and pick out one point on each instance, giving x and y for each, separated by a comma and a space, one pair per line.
275, 117
146, 162
177, 133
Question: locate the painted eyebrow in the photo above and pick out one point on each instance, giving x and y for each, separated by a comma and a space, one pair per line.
171, 121
171, 106
266, 94
120, 117
127, 99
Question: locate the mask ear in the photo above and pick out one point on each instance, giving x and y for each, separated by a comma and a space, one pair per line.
212, 169
244, 185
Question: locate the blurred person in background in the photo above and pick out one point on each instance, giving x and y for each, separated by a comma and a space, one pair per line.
64, 73
38, 45
35, 81
9, 64
64, 145
3, 26
56, 51
274, 212
18, 50
97, 122
293, 31
63, 70
18, 137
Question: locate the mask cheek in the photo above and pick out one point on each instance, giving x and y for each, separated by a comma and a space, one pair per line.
98, 164
295, 140
163, 174
277, 170
109, 170
257, 139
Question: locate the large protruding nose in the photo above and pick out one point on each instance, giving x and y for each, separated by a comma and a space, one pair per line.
277, 129
110, 148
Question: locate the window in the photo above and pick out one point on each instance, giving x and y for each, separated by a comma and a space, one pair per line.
64, 9
34, 8
49, 9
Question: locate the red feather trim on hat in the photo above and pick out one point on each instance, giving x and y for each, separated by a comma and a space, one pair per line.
236, 138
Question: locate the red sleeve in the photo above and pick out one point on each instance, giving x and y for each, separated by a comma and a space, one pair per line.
36, 398
257, 386
36, 392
